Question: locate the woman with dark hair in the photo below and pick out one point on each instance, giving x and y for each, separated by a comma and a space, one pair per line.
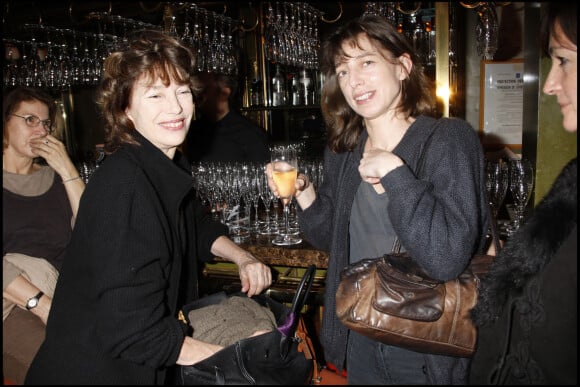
527, 311
376, 104
140, 234
41, 193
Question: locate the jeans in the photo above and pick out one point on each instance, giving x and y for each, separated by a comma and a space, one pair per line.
372, 362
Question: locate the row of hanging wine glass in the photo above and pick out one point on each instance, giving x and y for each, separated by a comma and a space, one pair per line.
486, 29
60, 57
418, 25
291, 34
210, 35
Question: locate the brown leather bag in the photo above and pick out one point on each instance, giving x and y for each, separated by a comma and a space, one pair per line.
390, 299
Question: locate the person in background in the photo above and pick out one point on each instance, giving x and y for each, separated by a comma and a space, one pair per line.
376, 104
40, 199
221, 133
527, 310
140, 234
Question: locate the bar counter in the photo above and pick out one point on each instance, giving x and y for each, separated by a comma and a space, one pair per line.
300, 255
287, 262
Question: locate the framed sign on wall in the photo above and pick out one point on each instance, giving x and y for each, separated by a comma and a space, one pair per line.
501, 102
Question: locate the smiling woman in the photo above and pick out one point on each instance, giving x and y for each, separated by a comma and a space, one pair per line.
376, 103
140, 235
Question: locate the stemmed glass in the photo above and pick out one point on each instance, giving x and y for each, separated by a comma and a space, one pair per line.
267, 198
284, 173
496, 183
521, 184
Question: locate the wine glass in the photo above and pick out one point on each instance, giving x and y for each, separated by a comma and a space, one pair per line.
496, 183
284, 173
521, 184
267, 197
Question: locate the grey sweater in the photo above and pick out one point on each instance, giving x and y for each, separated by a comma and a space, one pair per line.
441, 221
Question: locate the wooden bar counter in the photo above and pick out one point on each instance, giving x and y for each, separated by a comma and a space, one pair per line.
287, 262
301, 255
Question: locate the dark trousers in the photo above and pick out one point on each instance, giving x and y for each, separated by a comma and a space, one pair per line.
372, 362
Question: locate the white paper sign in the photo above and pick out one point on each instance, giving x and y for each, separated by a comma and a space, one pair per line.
502, 97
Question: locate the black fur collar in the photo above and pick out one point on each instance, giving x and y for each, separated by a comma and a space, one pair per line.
531, 247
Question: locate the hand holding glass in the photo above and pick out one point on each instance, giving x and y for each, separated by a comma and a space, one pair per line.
284, 174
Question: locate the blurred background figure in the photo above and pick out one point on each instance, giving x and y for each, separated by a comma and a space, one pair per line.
221, 133
40, 199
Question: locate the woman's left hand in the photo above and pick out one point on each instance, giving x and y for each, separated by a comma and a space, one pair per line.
54, 152
254, 275
376, 163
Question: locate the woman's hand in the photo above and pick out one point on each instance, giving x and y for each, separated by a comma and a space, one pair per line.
254, 275
302, 186
376, 163
193, 351
54, 152
20, 289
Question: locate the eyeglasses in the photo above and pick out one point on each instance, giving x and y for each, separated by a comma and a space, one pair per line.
33, 121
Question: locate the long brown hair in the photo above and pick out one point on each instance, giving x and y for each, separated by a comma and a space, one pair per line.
150, 54
345, 126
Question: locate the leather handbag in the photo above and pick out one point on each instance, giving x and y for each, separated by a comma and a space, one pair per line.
390, 299
276, 357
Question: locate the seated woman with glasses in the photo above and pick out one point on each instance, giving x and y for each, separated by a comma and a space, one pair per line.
42, 189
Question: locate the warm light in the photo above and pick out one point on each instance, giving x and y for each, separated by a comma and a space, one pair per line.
443, 92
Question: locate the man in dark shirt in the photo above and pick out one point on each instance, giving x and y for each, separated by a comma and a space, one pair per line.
222, 134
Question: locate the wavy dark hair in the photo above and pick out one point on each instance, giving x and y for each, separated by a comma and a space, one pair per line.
150, 54
344, 124
565, 14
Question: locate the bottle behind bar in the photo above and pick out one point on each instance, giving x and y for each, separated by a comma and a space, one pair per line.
306, 87
297, 93
278, 88
256, 86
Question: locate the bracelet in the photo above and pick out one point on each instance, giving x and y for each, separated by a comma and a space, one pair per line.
71, 179
305, 179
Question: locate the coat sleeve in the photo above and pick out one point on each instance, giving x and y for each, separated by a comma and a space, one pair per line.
316, 222
207, 231
440, 218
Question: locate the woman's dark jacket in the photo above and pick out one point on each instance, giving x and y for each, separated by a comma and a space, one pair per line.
440, 220
531, 290
131, 263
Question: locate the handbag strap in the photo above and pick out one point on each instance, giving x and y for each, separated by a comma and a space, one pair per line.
288, 328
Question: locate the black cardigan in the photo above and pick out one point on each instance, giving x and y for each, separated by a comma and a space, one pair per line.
131, 263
